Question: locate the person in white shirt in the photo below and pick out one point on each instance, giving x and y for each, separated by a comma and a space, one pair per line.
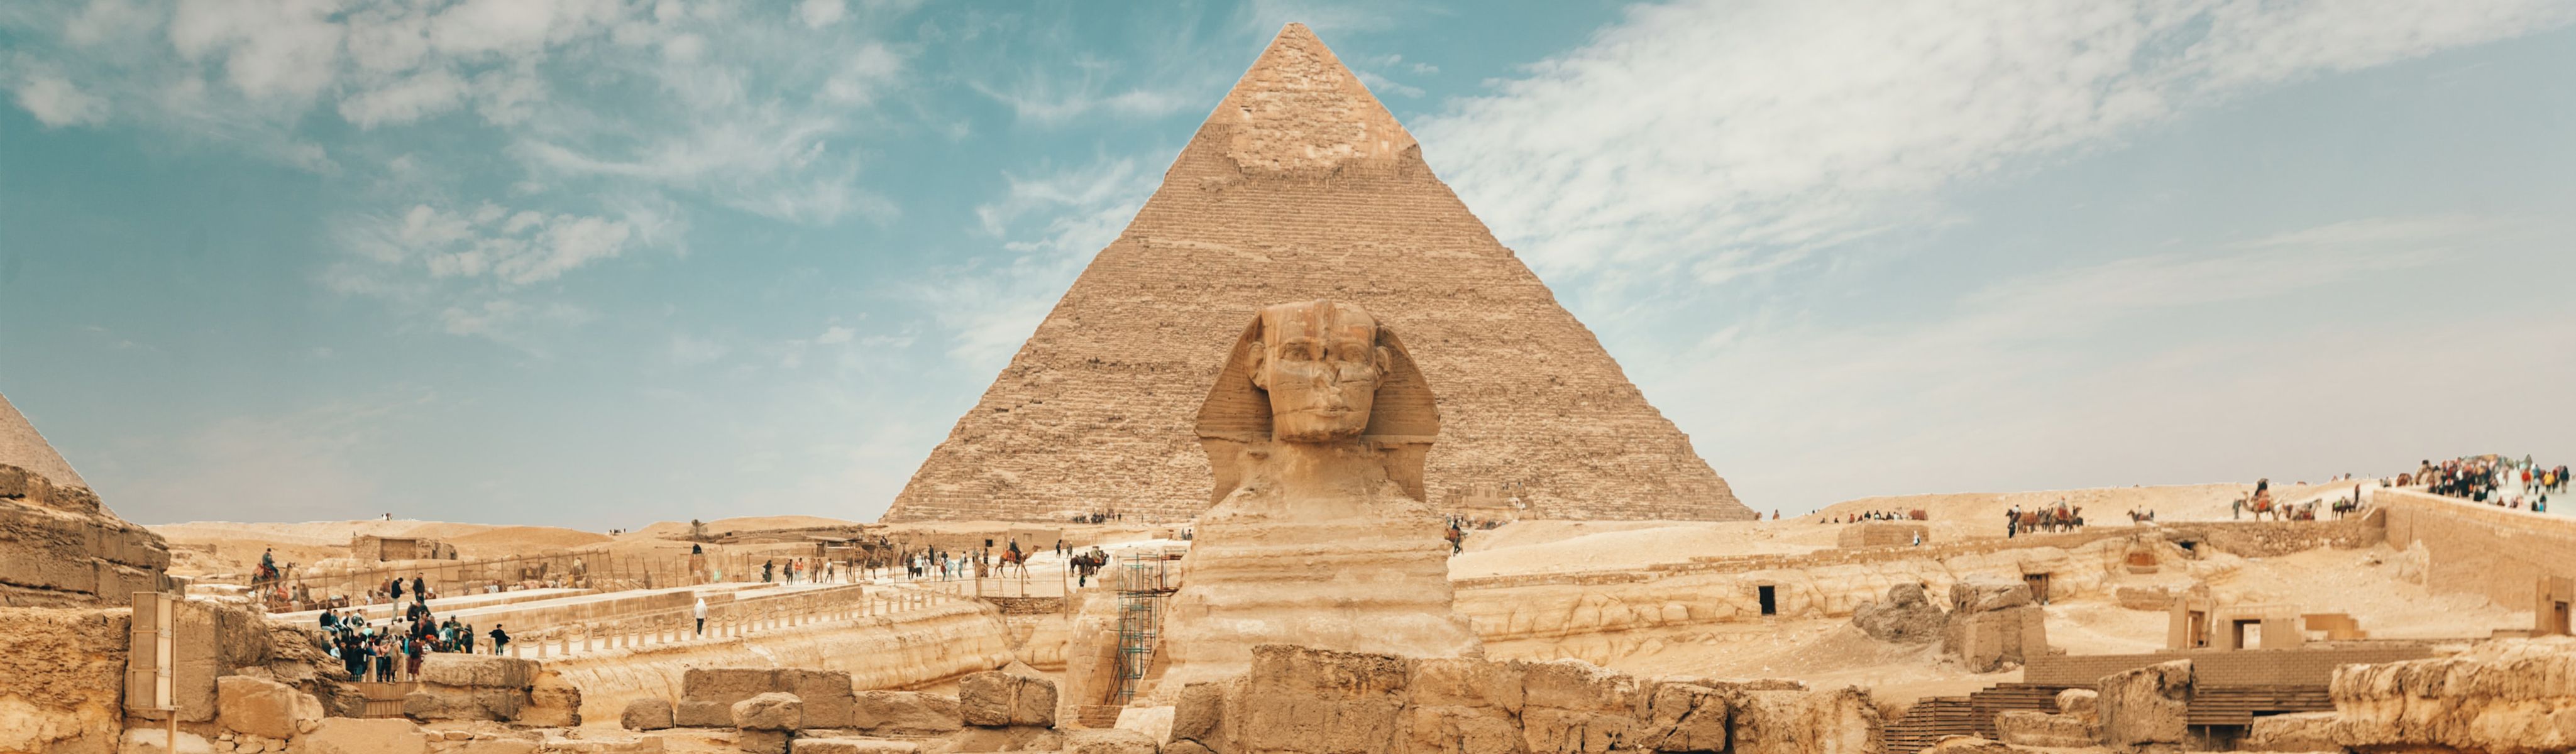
702, 616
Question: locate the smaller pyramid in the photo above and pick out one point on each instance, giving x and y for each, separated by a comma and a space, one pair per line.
22, 447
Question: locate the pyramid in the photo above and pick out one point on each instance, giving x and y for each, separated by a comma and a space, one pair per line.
22, 447
1302, 186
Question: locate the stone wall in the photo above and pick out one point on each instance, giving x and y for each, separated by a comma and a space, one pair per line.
1882, 534
2217, 667
62, 679
1301, 186
903, 650
60, 548
2499, 553
2500, 697
1300, 700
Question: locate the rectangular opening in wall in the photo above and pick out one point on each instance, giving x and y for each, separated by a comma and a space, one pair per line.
2558, 618
2197, 623
2249, 634
2038, 586
1770, 601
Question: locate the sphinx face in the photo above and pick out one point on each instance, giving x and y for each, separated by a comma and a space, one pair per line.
1321, 365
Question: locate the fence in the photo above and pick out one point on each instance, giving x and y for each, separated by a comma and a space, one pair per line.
743, 617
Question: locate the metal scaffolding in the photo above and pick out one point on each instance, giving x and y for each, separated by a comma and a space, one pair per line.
1144, 582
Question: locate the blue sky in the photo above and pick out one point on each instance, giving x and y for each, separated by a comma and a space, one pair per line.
599, 263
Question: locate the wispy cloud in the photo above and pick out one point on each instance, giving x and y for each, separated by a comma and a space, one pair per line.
1049, 224
1701, 141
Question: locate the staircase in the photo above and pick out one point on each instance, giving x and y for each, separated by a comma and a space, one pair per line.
1927, 721
2003, 697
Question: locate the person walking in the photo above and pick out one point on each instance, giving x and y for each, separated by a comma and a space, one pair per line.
701, 611
500, 638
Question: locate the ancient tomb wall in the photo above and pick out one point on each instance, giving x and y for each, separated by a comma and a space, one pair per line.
1831, 583
60, 548
879, 652
2217, 667
2500, 553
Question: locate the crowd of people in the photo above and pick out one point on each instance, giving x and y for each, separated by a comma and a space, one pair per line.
2494, 480
393, 650
1855, 518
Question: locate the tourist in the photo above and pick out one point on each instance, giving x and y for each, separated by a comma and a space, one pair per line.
419, 589
2012, 522
701, 612
767, 567
500, 638
384, 652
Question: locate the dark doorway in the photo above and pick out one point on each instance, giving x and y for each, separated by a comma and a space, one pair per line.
1770, 602
2038, 586
2196, 625
2249, 633
2558, 621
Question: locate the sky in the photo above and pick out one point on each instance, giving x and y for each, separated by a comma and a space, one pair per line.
605, 262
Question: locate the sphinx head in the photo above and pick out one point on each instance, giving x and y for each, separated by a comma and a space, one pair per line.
1321, 364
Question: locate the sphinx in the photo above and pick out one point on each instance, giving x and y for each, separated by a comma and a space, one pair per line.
1320, 535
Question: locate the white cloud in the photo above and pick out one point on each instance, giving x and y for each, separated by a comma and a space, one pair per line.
424, 94
1710, 140
282, 50
835, 334
57, 103
821, 13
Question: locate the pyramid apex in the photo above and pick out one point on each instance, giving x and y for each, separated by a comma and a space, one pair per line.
22, 447
1298, 109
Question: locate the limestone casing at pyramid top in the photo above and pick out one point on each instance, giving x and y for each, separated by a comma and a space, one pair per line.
1299, 110
23, 447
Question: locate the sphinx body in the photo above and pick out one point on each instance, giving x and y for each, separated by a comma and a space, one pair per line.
1316, 431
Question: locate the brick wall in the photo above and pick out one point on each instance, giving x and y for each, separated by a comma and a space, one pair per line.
2480, 549
2212, 667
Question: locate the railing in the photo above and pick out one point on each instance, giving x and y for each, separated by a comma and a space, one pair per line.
751, 616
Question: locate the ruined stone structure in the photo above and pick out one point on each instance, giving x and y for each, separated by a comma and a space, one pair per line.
1316, 429
58, 546
1301, 185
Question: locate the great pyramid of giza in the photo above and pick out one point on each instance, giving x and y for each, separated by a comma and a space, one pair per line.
1302, 186
22, 447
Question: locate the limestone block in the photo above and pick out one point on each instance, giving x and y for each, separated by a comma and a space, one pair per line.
1466, 682
909, 712
1969, 745
483, 671
2083, 704
1013, 738
829, 701
1154, 722
1575, 706
763, 741
264, 708
62, 681
1443, 729
1837, 721
2515, 696
1194, 747
1981, 594
1906, 616
727, 685
1684, 717
351, 735
995, 698
552, 702
650, 713
1200, 714
156, 741
855, 746
697, 714
432, 702
2144, 707
1324, 699
1998, 639
770, 711
2154, 598
2027, 728
2297, 731
1111, 741
490, 746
